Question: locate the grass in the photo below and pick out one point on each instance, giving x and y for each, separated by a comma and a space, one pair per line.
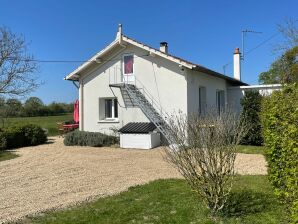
49, 122
5, 155
172, 201
251, 149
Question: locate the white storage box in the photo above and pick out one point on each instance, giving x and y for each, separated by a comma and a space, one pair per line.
139, 136
139, 141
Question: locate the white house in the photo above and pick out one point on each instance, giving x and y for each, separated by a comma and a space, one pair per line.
129, 81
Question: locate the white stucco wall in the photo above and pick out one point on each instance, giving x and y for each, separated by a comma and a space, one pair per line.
162, 78
173, 88
211, 83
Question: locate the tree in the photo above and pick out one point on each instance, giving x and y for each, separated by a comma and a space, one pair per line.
289, 31
283, 70
13, 108
17, 67
56, 108
251, 107
204, 153
33, 106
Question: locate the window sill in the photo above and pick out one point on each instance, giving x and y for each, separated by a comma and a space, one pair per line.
108, 121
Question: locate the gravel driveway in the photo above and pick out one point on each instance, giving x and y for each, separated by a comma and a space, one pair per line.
54, 176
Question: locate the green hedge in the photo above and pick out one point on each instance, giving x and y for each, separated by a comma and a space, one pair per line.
280, 130
251, 108
20, 136
94, 139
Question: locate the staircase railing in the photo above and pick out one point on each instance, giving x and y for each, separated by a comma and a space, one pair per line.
154, 112
117, 78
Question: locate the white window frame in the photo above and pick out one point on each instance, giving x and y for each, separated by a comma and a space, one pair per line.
130, 75
108, 119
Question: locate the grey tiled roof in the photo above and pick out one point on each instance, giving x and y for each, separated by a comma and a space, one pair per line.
138, 128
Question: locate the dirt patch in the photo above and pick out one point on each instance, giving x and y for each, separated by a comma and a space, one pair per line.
55, 176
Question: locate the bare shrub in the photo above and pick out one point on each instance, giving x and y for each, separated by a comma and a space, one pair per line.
204, 153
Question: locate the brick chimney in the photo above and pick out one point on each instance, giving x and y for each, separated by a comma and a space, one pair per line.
237, 64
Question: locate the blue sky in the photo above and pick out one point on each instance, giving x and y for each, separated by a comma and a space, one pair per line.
204, 32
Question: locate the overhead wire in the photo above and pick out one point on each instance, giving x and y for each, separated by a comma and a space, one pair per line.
70, 61
116, 59
262, 43
256, 47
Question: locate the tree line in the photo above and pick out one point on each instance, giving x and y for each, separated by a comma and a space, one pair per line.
32, 107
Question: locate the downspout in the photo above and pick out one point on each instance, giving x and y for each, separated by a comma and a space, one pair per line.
75, 84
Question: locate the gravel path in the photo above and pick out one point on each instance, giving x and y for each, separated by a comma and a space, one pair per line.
55, 176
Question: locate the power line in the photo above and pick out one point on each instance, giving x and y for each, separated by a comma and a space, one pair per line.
263, 42
69, 61
256, 47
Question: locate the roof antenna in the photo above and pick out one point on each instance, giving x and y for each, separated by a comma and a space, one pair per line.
244, 32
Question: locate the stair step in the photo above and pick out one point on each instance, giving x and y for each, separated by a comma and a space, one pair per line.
133, 96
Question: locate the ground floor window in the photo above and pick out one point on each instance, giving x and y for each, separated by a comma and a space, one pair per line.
108, 108
202, 100
220, 100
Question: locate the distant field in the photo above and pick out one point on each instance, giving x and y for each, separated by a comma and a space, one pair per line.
50, 122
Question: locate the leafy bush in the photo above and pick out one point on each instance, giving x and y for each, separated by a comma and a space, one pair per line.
280, 130
14, 137
34, 135
251, 107
94, 139
20, 136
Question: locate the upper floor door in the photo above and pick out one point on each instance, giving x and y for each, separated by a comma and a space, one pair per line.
128, 68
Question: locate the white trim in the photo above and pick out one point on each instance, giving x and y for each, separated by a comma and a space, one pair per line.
109, 120
94, 59
159, 53
267, 86
131, 75
123, 42
81, 106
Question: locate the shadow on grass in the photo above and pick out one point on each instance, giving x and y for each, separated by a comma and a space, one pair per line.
247, 202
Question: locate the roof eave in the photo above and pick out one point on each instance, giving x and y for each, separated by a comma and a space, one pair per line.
75, 74
157, 52
123, 40
219, 75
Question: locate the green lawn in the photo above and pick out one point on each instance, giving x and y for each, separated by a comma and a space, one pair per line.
250, 149
5, 155
171, 201
50, 122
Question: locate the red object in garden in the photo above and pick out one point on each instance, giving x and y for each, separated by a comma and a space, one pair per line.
76, 111
70, 127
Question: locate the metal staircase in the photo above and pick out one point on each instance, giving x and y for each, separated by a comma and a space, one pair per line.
134, 96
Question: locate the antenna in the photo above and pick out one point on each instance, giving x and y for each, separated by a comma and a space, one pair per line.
244, 32
224, 68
